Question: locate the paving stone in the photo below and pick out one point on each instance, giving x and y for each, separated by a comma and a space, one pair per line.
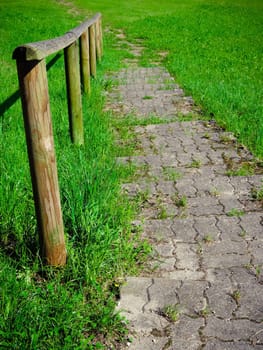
183, 159
206, 227
165, 249
185, 187
163, 292
215, 157
145, 322
225, 261
148, 342
251, 294
185, 275
158, 230
252, 224
220, 301
230, 228
184, 230
191, 296
255, 181
224, 254
185, 333
133, 189
136, 160
186, 256
233, 330
256, 248
134, 294
203, 184
223, 186
219, 275
162, 265
225, 247
169, 160
219, 345
166, 187
230, 203
240, 184
204, 206
251, 302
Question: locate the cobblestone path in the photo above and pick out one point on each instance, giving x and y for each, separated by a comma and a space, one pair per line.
203, 288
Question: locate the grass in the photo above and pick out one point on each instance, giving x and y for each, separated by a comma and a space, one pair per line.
208, 238
195, 164
257, 194
147, 97
214, 51
180, 201
162, 214
243, 234
171, 312
245, 169
235, 212
236, 295
205, 312
71, 307
171, 174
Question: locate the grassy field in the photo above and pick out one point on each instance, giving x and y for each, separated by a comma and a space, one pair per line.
73, 307
214, 51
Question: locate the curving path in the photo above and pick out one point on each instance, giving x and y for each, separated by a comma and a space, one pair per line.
203, 288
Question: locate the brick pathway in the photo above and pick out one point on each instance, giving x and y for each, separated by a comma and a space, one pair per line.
203, 288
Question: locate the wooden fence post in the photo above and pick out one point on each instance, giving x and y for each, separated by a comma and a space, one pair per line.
40, 145
92, 47
97, 40
101, 36
85, 61
72, 70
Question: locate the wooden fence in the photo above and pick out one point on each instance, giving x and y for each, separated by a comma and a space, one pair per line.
82, 49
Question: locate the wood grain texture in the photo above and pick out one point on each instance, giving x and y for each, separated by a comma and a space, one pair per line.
42, 49
92, 47
39, 135
97, 41
85, 62
101, 35
72, 71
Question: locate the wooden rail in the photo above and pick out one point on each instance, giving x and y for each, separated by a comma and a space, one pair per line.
82, 48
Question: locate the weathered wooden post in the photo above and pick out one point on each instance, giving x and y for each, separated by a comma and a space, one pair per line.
40, 145
72, 70
97, 40
92, 47
101, 36
85, 61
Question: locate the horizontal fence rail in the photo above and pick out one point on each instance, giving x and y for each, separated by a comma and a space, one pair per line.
83, 47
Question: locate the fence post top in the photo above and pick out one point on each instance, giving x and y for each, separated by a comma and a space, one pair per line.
41, 49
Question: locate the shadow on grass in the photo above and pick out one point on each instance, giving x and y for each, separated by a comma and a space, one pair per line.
4, 106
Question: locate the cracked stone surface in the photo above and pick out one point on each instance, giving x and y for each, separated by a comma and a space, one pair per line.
203, 286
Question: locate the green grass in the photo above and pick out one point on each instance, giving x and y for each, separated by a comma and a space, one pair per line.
215, 53
235, 212
171, 312
71, 307
245, 169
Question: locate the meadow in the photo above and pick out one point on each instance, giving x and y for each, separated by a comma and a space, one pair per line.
214, 50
